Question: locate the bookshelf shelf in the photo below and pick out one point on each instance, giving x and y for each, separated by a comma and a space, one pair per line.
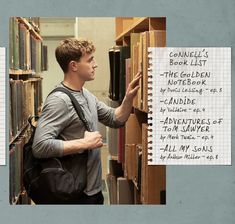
21, 72
35, 79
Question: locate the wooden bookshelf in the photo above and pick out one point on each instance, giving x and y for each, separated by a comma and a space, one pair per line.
25, 53
127, 25
139, 33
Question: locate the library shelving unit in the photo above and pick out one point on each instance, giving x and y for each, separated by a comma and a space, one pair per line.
131, 180
27, 61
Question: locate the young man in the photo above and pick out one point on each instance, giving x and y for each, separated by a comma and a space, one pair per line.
59, 118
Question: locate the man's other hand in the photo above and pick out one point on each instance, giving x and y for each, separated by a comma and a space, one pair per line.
93, 139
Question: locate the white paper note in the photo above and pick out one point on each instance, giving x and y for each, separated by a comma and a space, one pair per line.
2, 107
190, 100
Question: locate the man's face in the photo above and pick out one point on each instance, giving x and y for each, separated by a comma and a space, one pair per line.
85, 67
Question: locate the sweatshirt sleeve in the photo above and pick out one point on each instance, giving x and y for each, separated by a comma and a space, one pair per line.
106, 115
53, 120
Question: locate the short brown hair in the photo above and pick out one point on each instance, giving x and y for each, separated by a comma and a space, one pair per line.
72, 49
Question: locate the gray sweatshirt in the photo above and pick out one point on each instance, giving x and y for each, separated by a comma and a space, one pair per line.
59, 118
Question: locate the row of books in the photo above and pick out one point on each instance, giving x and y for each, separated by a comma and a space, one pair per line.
16, 166
149, 181
126, 61
121, 190
27, 51
26, 101
129, 145
139, 61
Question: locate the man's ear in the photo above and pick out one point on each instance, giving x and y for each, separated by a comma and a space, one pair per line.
73, 65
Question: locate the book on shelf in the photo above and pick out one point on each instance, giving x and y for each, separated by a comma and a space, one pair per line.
114, 63
145, 37
134, 49
36, 54
117, 56
28, 51
128, 71
33, 52
140, 68
112, 188
111, 72
134, 40
44, 58
125, 191
22, 47
124, 54
13, 43
38, 65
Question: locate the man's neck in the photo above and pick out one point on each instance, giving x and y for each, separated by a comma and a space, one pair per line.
73, 82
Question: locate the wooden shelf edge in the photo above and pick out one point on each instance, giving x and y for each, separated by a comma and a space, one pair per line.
20, 72
18, 133
34, 79
141, 110
30, 27
114, 158
125, 32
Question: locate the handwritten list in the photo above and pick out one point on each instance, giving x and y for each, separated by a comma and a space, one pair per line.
2, 107
190, 106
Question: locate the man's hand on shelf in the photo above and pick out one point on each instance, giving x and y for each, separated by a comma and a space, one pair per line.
133, 87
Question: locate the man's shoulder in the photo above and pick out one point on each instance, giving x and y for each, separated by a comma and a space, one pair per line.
58, 97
